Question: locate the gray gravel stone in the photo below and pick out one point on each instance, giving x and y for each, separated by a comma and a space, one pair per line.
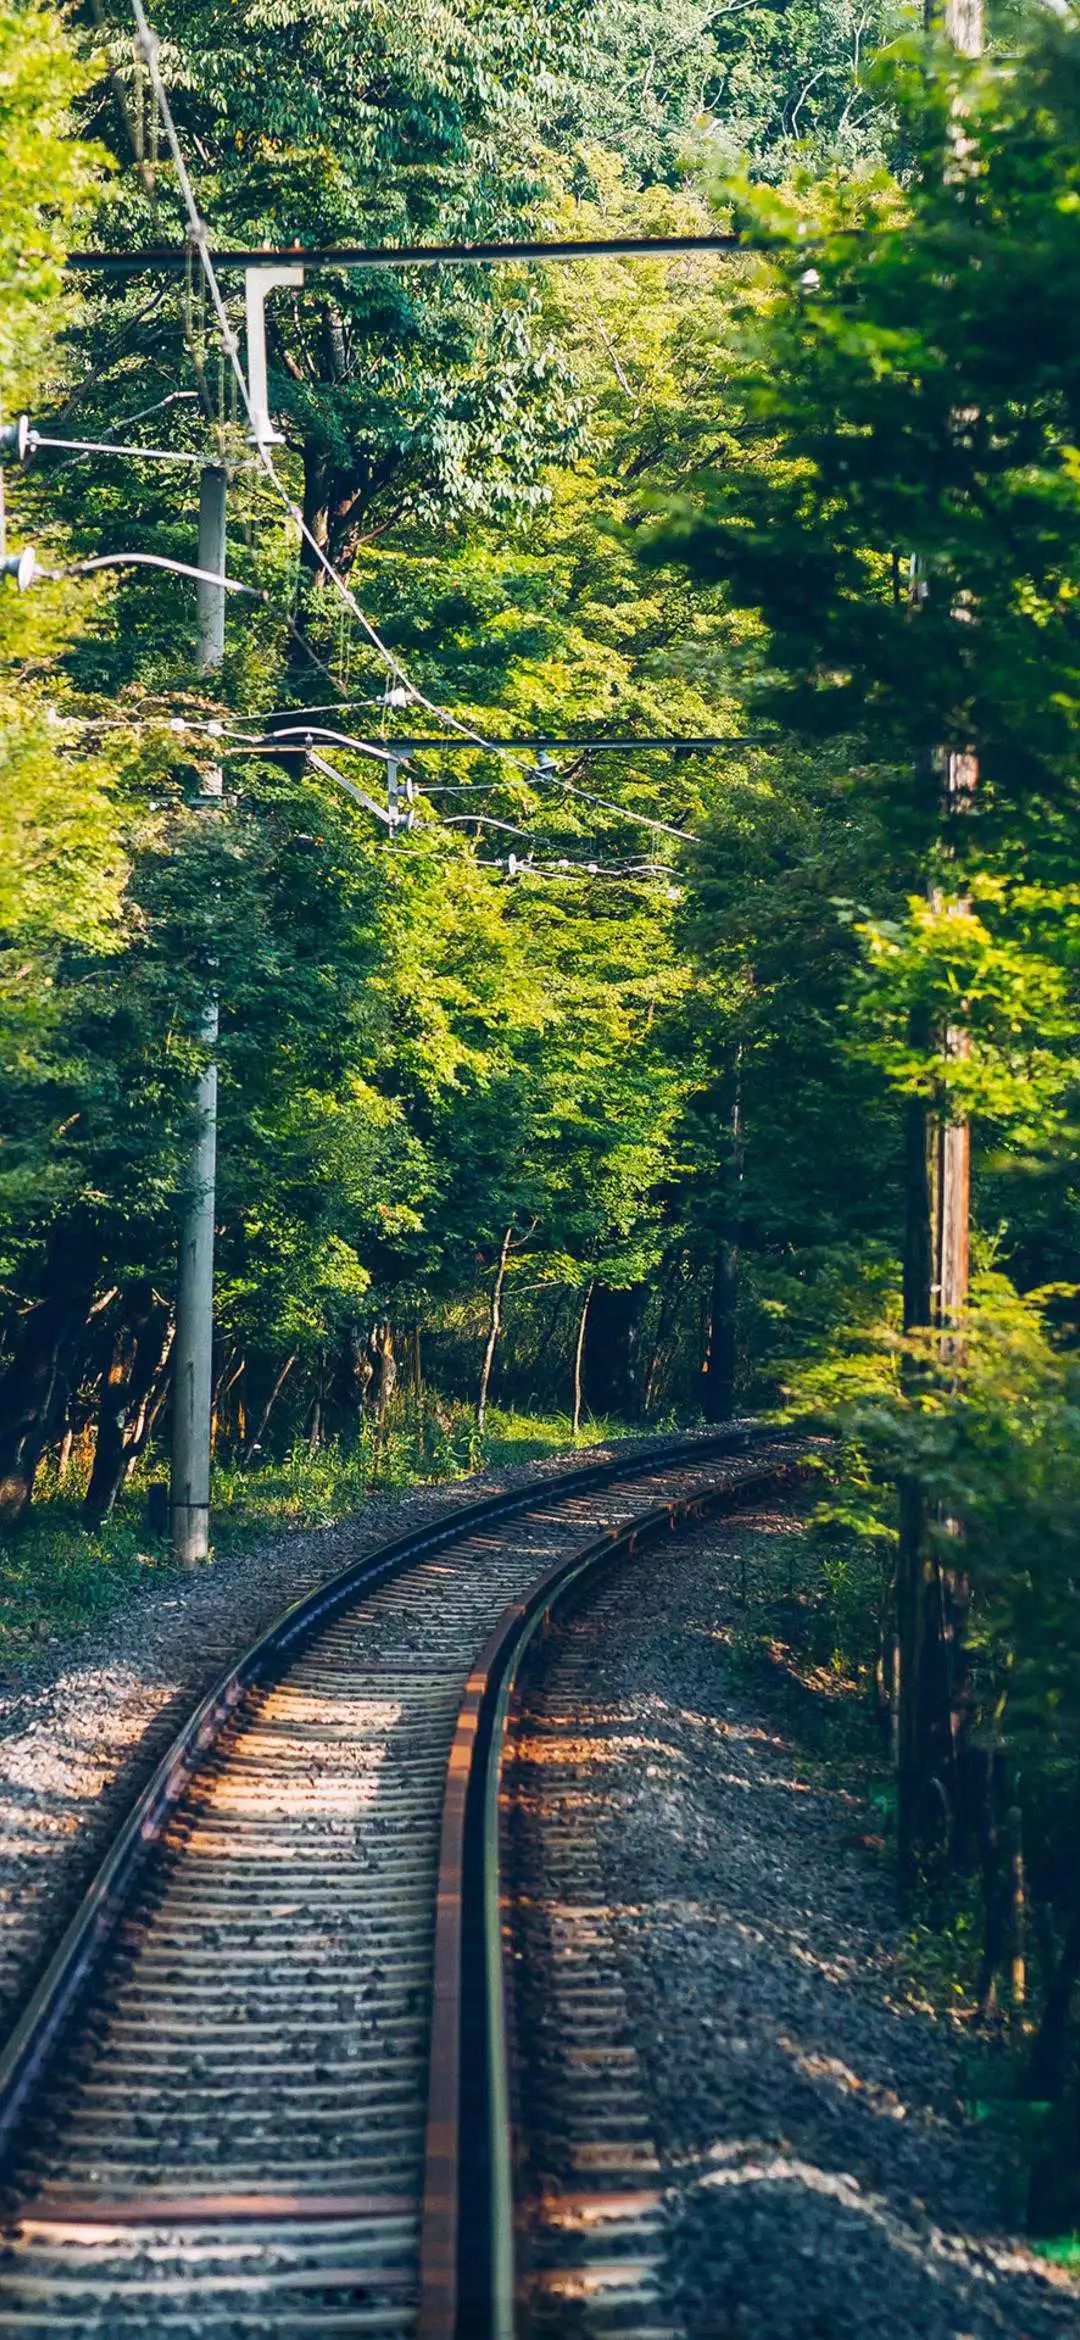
823, 2184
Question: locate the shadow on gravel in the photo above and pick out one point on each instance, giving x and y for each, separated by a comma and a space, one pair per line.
822, 2182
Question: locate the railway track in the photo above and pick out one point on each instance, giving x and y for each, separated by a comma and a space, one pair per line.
263, 2087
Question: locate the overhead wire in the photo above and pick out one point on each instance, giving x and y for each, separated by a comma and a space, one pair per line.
387, 754
410, 692
174, 398
198, 238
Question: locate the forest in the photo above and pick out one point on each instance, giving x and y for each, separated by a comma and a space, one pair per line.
622, 865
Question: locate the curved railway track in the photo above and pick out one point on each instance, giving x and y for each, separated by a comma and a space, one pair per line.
262, 2087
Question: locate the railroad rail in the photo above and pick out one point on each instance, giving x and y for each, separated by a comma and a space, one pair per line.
262, 2086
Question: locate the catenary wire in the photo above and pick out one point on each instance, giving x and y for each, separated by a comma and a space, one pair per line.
198, 236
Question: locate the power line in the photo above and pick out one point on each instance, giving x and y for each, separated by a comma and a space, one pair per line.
171, 259
623, 745
199, 239
390, 752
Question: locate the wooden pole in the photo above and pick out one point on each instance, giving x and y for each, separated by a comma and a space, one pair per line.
937, 1241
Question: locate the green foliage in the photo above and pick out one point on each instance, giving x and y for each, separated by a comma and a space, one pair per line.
62, 857
1001, 963
666, 84
996, 1446
48, 174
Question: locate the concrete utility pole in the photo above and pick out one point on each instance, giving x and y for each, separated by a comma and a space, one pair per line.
194, 1346
964, 26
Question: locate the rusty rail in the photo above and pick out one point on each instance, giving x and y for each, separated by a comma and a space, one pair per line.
466, 2241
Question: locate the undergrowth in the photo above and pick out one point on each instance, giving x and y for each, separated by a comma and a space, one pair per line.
59, 1574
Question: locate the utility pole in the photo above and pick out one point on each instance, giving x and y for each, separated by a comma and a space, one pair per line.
194, 1346
210, 599
965, 26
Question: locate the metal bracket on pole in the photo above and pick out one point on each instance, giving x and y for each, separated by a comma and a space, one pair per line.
257, 283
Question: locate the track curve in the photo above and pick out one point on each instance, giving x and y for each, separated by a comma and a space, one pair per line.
215, 2110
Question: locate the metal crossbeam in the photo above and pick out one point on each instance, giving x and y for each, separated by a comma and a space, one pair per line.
172, 259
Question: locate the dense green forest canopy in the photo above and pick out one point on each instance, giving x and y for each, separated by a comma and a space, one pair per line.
591, 1087
415, 1057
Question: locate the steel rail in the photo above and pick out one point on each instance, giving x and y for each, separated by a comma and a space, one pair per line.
29, 2052
466, 2234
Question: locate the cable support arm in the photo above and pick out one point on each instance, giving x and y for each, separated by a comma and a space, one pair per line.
26, 569
359, 795
170, 260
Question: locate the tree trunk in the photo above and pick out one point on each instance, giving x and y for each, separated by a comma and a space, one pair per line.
494, 1328
718, 1377
230, 1376
270, 1404
668, 1302
63, 1460
579, 1352
1014, 1826
910, 1567
47, 1352
962, 21
126, 1384
385, 1375
145, 1422
1046, 2076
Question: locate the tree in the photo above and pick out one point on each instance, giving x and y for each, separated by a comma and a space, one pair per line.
62, 858
908, 378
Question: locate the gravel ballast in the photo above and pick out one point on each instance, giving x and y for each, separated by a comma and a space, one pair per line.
819, 2177
81, 1731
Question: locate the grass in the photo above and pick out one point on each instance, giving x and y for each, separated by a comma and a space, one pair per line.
1062, 2251
58, 1575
